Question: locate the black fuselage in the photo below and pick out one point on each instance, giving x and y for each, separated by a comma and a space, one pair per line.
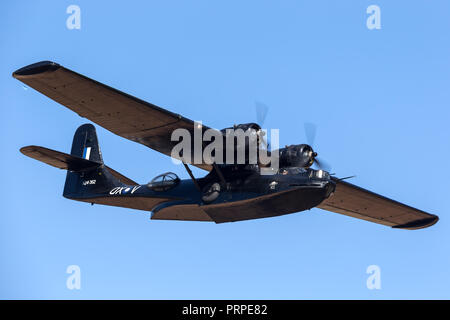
244, 193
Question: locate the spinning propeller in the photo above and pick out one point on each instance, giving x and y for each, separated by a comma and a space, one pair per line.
310, 132
261, 114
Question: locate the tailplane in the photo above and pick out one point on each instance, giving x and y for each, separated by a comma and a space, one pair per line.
86, 173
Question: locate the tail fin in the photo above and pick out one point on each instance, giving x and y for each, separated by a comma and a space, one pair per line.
87, 176
85, 183
85, 144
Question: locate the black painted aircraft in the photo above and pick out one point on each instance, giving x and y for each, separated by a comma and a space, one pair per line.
227, 193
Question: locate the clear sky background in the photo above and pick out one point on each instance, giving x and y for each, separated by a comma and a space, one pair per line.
380, 98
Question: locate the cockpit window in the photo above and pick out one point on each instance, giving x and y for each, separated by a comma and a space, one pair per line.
164, 182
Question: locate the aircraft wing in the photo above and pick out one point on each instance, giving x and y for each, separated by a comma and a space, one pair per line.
359, 203
116, 111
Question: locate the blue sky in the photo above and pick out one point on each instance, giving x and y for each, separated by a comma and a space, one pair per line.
380, 99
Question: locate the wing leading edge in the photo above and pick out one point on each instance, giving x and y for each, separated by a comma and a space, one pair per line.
359, 203
116, 111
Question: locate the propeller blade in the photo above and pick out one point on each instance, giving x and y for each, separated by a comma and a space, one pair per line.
323, 165
261, 112
310, 132
264, 143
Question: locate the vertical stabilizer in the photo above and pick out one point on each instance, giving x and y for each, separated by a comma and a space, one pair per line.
85, 144
91, 181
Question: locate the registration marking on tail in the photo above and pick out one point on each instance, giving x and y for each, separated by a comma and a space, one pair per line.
87, 153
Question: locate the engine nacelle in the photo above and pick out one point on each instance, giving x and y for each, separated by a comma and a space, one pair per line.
300, 155
245, 139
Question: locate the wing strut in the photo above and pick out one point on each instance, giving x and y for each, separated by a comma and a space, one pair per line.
192, 177
219, 173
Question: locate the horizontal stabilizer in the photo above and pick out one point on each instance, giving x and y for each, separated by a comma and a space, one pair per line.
66, 161
58, 159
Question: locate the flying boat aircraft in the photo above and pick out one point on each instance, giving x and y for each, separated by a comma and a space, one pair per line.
227, 193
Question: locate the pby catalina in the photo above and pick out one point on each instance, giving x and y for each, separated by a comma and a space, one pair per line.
229, 192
